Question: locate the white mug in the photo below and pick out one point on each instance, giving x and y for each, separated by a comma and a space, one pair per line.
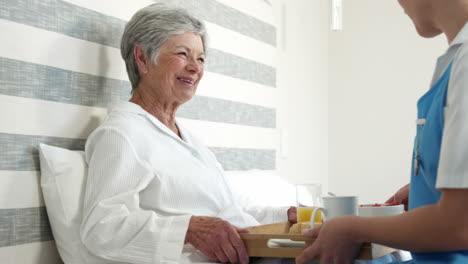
334, 206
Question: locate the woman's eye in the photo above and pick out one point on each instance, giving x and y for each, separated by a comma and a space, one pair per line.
202, 60
183, 53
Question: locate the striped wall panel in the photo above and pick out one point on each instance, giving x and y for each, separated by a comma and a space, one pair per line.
60, 67
91, 90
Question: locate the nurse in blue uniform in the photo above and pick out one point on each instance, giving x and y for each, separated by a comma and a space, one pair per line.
435, 229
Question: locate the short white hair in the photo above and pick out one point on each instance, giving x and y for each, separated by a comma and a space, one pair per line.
150, 27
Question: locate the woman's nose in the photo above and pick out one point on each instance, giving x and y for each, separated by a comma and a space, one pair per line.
194, 66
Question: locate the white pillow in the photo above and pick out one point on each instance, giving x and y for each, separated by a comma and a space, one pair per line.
62, 180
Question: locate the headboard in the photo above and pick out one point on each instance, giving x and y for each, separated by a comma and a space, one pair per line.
60, 66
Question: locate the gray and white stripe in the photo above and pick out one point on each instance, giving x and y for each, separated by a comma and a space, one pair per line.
20, 153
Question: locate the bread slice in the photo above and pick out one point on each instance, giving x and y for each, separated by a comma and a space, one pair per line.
297, 228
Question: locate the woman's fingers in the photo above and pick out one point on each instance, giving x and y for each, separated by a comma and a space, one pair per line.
230, 253
239, 247
292, 214
217, 238
221, 257
222, 243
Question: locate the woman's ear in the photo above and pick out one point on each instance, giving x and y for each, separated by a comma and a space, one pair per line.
141, 60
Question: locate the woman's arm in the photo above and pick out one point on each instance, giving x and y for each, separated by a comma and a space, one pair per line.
439, 227
268, 215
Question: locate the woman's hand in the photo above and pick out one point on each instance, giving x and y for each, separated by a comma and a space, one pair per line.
217, 239
400, 197
335, 242
292, 214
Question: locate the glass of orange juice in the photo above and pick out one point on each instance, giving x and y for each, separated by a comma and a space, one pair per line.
308, 197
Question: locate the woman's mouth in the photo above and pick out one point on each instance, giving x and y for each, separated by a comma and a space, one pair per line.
185, 80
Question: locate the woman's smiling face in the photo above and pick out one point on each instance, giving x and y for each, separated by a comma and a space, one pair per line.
179, 67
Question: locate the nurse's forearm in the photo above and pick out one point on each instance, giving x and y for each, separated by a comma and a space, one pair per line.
426, 229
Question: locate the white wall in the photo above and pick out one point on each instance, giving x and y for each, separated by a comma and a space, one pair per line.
347, 99
302, 83
379, 67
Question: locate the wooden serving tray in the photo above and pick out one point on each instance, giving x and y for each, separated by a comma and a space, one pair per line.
257, 243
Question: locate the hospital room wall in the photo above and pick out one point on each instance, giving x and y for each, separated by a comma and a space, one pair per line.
302, 83
378, 68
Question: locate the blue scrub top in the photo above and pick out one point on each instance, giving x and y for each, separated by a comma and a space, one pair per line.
426, 162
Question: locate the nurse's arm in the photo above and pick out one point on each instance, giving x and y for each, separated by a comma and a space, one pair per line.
439, 227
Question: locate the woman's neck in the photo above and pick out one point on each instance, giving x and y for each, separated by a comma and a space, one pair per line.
163, 111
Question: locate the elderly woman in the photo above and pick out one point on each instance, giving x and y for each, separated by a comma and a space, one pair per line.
156, 194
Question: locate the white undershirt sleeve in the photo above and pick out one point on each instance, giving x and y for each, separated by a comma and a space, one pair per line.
114, 226
453, 162
267, 214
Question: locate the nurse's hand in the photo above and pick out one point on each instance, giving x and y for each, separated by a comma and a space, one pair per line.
217, 239
335, 242
401, 197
